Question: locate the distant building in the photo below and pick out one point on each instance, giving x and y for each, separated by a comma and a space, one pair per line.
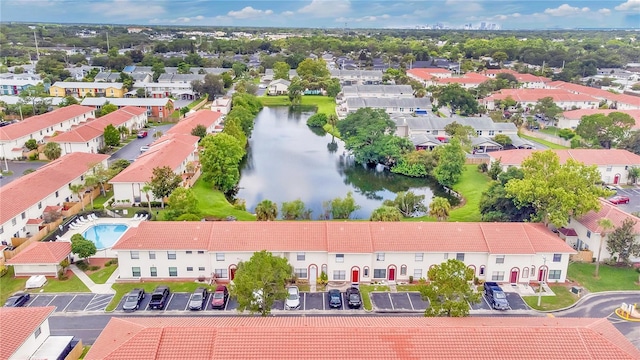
82, 89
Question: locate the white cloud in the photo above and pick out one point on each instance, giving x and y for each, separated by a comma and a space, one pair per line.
288, 13
326, 8
249, 13
566, 10
630, 5
127, 9
604, 11
464, 6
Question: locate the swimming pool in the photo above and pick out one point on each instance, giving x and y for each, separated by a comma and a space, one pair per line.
105, 235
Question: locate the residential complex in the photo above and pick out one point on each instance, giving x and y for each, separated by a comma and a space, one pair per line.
82, 89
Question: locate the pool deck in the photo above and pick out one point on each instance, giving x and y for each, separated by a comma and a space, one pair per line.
102, 253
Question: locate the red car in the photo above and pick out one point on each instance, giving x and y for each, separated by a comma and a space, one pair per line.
142, 134
619, 200
219, 298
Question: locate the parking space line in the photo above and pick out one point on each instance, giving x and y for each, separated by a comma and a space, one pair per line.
225, 304
89, 303
54, 297
98, 302
323, 305
391, 301
187, 305
304, 304
69, 303
410, 302
168, 302
342, 296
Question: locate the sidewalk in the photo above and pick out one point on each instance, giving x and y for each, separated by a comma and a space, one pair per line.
93, 287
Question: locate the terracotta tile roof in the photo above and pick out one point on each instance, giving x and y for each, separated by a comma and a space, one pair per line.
344, 237
476, 79
138, 338
533, 95
597, 157
609, 211
598, 93
95, 128
427, 73
39, 122
20, 194
35, 221
201, 117
17, 324
578, 114
170, 150
42, 253
520, 77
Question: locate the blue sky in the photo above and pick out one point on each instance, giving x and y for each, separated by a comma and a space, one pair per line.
510, 14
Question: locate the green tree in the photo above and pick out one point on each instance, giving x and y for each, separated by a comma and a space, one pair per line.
547, 107
77, 190
557, 191
295, 90
68, 100
158, 69
503, 140
163, 182
408, 203
461, 132
605, 130
457, 98
624, 241
606, 225
52, 150
101, 175
440, 208
416, 163
184, 68
126, 80
227, 80
147, 189
265, 274
220, 160
181, 201
199, 131
82, 247
496, 205
107, 108
386, 213
90, 182
450, 164
233, 127
111, 136
281, 70
311, 70
317, 120
294, 210
266, 210
449, 291
495, 170
333, 87
213, 85
634, 174
31, 144
343, 208
332, 120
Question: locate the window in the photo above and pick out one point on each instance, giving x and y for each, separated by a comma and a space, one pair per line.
135, 255
37, 332
533, 270
446, 256
608, 168
135, 271
419, 257
554, 274
500, 259
380, 257
481, 272
173, 271
39, 205
479, 132
14, 221
324, 268
301, 273
497, 276
201, 268
189, 268
417, 274
403, 270
365, 272
200, 251
460, 256
435, 132
1, 229
152, 255
379, 273
57, 194
154, 271
557, 257
300, 257
222, 273
171, 255
219, 256
525, 272
492, 132
339, 258
588, 233
339, 275
23, 216
189, 252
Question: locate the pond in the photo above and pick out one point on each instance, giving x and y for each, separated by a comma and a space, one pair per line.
286, 160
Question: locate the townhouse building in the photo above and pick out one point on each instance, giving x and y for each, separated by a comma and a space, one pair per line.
612, 100
161, 107
162, 90
526, 81
377, 91
389, 105
207, 118
571, 119
346, 251
357, 77
15, 87
527, 98
14, 136
221, 105
613, 164
82, 89
24, 200
427, 75
89, 136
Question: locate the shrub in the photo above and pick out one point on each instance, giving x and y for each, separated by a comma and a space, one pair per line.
111, 262
410, 279
483, 168
188, 217
576, 143
317, 120
82, 265
94, 268
33, 156
566, 134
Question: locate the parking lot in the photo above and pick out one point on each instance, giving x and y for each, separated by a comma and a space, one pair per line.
634, 199
71, 302
400, 301
515, 303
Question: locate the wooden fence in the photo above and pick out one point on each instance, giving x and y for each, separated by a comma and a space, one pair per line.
22, 243
477, 160
76, 352
546, 137
582, 256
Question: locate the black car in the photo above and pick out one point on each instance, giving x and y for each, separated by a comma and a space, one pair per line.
133, 299
159, 298
335, 298
353, 297
17, 299
198, 299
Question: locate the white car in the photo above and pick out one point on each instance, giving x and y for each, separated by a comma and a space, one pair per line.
144, 148
293, 298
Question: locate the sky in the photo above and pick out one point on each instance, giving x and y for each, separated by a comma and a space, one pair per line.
509, 14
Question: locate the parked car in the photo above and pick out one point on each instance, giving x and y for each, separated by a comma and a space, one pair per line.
354, 300
293, 298
17, 300
495, 296
144, 148
219, 298
159, 298
142, 134
198, 300
619, 199
335, 298
133, 299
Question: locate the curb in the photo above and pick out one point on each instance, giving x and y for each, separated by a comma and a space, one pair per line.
588, 296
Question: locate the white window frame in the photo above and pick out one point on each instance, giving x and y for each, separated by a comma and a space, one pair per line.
500, 259
419, 257
339, 275
219, 256
379, 256
222, 273
339, 258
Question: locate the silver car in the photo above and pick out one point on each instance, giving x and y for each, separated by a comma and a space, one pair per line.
198, 299
133, 299
293, 298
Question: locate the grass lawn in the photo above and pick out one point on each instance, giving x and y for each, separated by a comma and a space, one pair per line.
325, 104
123, 289
412, 287
282, 100
101, 276
100, 200
611, 278
543, 142
72, 284
213, 203
470, 186
10, 284
563, 298
366, 289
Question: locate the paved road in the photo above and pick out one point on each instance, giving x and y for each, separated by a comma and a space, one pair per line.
17, 167
132, 149
634, 199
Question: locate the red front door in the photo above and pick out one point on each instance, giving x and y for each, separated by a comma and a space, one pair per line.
514, 276
541, 274
616, 179
392, 274
233, 273
355, 276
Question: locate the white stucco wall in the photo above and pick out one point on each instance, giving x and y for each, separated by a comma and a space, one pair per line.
32, 343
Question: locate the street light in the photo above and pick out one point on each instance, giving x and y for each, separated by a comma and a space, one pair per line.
544, 260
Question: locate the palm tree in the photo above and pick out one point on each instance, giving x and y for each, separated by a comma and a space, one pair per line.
606, 225
157, 134
634, 173
146, 189
421, 92
440, 208
332, 120
266, 210
90, 182
124, 132
77, 189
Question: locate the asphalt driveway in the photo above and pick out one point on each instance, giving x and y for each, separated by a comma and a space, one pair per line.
17, 168
132, 149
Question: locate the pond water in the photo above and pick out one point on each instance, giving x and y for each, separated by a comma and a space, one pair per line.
286, 160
